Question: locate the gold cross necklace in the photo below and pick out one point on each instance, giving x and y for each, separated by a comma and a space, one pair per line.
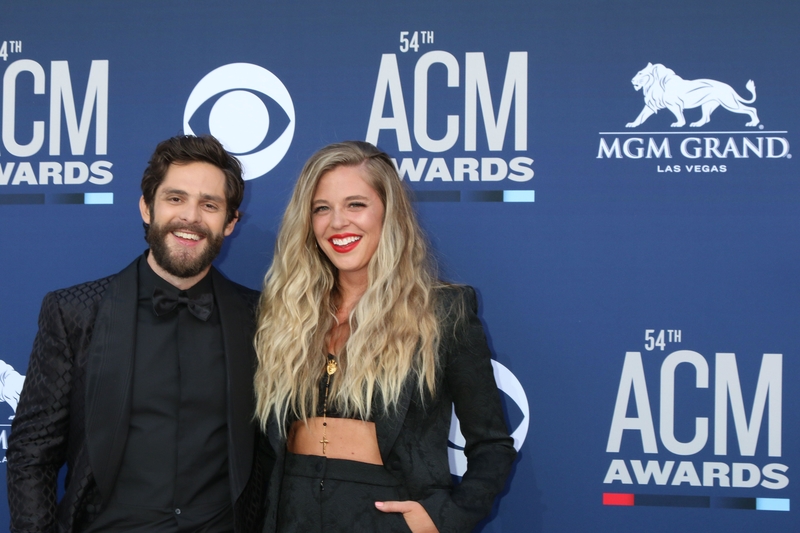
330, 369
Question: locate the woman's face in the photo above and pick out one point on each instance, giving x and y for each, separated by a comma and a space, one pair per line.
347, 218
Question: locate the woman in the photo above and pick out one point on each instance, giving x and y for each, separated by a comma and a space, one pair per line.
362, 354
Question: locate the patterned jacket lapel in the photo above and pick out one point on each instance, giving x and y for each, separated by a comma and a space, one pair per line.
109, 372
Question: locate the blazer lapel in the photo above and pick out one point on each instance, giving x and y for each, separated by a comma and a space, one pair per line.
388, 426
238, 323
109, 369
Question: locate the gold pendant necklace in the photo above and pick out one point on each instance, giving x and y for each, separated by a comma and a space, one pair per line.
330, 369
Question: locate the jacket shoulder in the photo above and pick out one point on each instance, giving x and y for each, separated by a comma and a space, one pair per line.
453, 299
74, 307
250, 295
82, 296
247, 294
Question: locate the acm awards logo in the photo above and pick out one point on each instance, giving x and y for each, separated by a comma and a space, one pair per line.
663, 89
236, 100
684, 450
510, 385
32, 147
435, 132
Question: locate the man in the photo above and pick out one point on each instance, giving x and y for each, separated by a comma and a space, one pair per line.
142, 382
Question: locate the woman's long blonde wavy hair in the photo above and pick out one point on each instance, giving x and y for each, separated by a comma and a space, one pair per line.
394, 327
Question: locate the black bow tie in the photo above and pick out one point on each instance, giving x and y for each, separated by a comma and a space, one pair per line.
166, 301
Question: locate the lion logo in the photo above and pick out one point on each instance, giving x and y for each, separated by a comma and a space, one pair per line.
11, 383
662, 88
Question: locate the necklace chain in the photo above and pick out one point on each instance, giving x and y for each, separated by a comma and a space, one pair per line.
330, 370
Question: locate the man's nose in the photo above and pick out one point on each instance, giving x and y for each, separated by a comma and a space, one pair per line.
190, 212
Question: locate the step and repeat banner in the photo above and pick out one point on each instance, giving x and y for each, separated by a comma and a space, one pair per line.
616, 179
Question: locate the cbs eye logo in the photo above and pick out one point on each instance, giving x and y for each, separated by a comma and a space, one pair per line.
244, 106
519, 413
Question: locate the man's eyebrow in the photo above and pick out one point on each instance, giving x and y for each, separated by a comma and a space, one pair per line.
212, 197
181, 192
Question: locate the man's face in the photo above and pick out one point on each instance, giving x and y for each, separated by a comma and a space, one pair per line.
187, 222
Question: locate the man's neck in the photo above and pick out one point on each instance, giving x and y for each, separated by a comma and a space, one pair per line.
183, 284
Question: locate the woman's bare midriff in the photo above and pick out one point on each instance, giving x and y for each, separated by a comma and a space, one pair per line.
354, 440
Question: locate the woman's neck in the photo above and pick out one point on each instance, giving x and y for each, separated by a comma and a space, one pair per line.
350, 288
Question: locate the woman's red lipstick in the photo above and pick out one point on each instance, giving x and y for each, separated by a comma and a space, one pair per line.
344, 242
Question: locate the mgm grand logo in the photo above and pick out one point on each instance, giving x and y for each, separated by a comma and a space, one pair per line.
663, 89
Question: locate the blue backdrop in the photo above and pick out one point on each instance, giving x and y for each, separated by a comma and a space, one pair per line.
636, 275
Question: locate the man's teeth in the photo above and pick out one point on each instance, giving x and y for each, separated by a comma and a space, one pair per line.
346, 240
184, 235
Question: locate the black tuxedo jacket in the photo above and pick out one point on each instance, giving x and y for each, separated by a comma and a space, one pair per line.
413, 439
75, 405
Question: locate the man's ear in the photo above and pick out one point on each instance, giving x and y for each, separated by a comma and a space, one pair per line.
232, 224
144, 209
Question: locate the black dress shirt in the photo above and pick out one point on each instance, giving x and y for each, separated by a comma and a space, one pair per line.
174, 472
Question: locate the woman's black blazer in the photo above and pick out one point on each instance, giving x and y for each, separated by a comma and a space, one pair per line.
413, 439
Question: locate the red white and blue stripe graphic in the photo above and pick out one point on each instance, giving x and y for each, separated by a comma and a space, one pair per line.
712, 502
85, 198
512, 196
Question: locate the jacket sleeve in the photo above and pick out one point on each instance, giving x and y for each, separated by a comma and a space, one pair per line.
489, 449
38, 442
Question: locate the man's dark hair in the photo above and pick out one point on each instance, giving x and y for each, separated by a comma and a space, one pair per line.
184, 149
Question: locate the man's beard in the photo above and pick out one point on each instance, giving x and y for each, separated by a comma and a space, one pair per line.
182, 265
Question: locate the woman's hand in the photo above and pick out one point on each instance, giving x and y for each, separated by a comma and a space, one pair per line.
415, 515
